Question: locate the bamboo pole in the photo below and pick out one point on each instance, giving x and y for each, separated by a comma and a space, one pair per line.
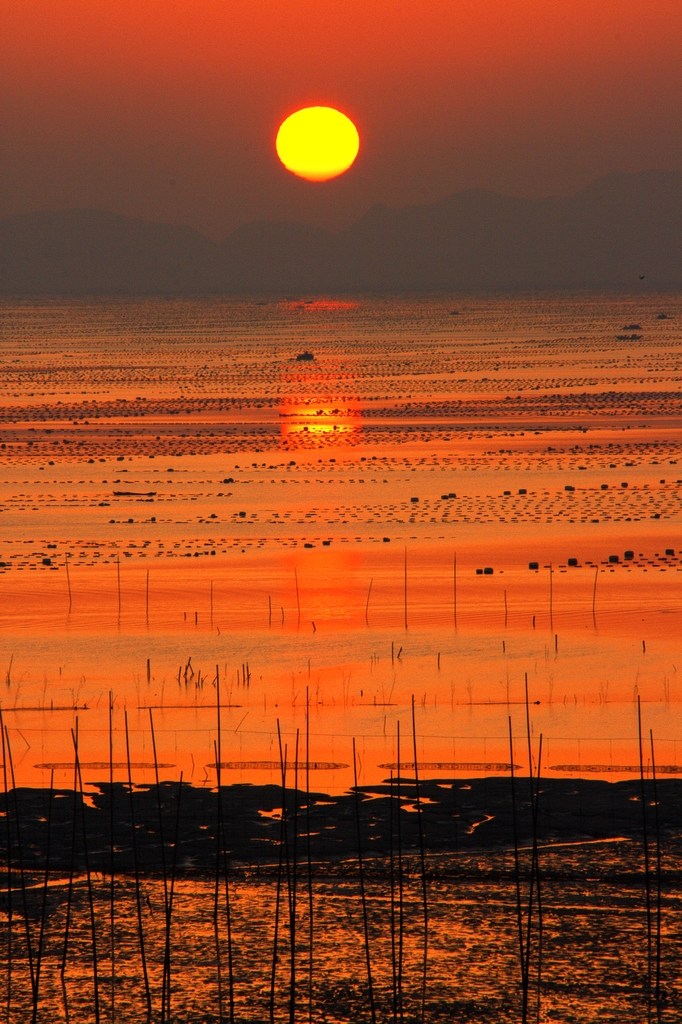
136, 871
422, 867
405, 586
401, 882
517, 879
8, 839
219, 833
162, 847
69, 892
311, 930
647, 865
68, 577
657, 830
43, 907
88, 877
392, 901
454, 588
112, 892
293, 894
363, 894
369, 594
169, 912
22, 872
280, 867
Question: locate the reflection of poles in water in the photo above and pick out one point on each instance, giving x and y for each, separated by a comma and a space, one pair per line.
363, 895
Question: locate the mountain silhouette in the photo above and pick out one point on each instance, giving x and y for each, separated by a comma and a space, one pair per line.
614, 234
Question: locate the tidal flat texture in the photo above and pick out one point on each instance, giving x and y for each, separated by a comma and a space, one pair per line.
339, 654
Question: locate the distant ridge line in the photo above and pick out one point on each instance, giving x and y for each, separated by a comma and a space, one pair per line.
620, 233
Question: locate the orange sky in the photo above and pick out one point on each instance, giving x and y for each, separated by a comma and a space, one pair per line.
167, 109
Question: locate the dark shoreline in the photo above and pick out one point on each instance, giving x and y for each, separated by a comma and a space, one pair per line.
458, 816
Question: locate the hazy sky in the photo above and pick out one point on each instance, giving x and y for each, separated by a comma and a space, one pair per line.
168, 109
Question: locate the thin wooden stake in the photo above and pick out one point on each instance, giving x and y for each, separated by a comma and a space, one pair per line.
68, 577
112, 890
517, 878
454, 588
8, 839
43, 909
136, 870
422, 865
169, 912
405, 586
657, 829
22, 873
647, 864
369, 593
283, 852
363, 895
88, 877
309, 857
392, 890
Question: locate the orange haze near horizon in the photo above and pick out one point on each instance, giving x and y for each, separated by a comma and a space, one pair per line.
169, 111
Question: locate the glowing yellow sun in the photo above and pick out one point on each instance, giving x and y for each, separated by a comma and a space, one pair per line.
317, 143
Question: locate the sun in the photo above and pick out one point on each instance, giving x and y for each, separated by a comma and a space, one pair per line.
317, 143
